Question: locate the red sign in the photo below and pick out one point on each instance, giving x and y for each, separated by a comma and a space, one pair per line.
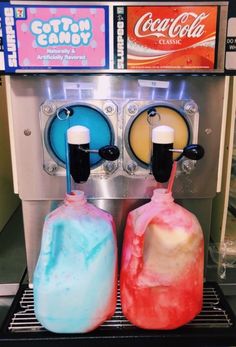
171, 37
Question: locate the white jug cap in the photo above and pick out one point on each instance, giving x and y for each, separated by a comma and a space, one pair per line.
78, 135
163, 134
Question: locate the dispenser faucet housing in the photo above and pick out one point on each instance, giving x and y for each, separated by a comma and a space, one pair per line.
78, 138
162, 139
78, 165
162, 156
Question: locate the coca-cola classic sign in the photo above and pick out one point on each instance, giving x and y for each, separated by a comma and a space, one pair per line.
171, 37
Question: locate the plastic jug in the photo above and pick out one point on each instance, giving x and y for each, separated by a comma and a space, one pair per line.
75, 280
162, 264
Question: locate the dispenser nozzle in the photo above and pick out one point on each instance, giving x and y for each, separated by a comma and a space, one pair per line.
162, 158
78, 138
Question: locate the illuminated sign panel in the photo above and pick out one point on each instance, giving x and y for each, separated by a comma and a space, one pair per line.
166, 37
60, 37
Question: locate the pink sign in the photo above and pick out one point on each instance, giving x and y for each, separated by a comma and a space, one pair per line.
62, 37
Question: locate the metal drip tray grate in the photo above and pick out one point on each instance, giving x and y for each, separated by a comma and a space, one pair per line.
215, 314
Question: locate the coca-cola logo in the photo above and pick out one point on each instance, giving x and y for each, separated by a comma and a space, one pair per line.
187, 24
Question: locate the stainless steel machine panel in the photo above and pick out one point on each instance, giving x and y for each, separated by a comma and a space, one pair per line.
36, 100
29, 94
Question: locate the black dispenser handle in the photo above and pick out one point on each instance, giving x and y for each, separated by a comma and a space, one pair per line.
109, 152
193, 151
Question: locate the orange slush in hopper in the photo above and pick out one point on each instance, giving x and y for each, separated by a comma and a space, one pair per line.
140, 131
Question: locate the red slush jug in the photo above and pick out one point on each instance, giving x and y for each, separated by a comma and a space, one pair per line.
162, 264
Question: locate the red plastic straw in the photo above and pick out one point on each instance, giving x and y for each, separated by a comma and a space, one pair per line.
172, 177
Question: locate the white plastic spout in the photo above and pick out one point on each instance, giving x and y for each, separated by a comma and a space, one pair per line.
78, 135
163, 134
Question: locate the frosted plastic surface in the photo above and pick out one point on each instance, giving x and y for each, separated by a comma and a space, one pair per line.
162, 265
75, 280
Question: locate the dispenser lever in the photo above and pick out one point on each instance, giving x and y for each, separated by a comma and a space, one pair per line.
193, 151
109, 152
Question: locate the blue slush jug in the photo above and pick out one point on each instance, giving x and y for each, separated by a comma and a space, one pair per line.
75, 279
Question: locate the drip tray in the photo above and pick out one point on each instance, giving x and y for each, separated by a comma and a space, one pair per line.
213, 314
215, 325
